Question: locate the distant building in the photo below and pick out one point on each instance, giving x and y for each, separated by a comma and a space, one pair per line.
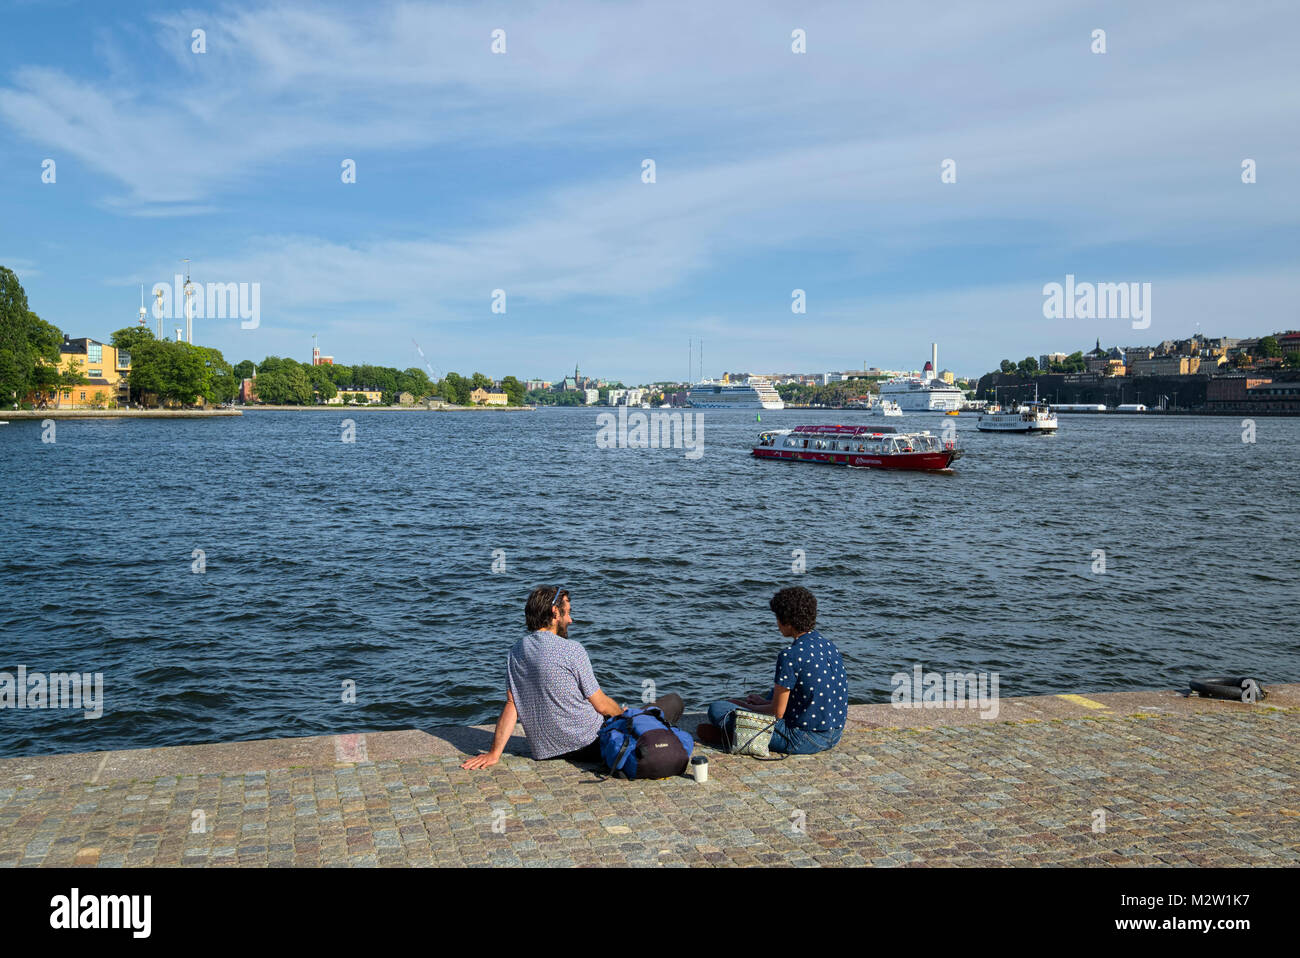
405, 398
481, 397
248, 391
368, 395
533, 385
107, 369
593, 396
1169, 365
1045, 361
615, 396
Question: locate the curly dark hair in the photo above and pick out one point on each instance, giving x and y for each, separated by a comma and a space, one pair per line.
537, 610
796, 607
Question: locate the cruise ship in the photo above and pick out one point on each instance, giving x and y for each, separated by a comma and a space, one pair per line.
924, 393
754, 393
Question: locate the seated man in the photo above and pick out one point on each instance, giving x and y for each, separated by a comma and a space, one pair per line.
552, 691
810, 700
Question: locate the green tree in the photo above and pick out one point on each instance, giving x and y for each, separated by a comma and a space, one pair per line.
273, 388
221, 386
1027, 366
26, 342
1007, 366
514, 390
479, 381
1269, 347
456, 389
172, 372
1293, 358
244, 369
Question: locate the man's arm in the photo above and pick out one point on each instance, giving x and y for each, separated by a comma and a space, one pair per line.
603, 704
505, 726
776, 707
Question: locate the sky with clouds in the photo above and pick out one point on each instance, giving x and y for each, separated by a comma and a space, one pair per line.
775, 171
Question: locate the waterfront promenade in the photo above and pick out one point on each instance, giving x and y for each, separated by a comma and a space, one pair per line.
1135, 778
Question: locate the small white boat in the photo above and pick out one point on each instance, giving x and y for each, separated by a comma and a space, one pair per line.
887, 407
1026, 418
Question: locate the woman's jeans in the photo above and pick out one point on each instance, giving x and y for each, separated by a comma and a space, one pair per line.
790, 741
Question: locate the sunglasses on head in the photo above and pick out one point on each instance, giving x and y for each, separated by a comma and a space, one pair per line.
559, 591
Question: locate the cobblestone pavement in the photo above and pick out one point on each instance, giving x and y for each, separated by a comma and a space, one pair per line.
1190, 788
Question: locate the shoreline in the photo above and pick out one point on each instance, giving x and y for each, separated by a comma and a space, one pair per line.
39, 414
327, 408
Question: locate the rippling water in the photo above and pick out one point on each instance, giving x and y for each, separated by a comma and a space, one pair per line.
372, 562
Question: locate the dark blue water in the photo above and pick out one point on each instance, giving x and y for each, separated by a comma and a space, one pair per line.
372, 562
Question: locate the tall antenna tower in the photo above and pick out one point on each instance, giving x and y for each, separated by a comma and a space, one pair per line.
189, 304
143, 312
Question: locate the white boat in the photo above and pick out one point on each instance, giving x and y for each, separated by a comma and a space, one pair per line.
924, 393
1022, 418
754, 393
886, 408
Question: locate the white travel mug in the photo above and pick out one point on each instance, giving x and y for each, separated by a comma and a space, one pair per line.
700, 768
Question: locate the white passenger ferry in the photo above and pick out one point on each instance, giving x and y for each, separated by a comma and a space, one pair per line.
1030, 417
754, 393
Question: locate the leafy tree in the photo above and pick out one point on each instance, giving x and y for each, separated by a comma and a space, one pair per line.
129, 337
1293, 358
1027, 366
514, 390
173, 372
479, 381
26, 341
244, 369
415, 382
221, 384
1269, 347
1007, 366
456, 389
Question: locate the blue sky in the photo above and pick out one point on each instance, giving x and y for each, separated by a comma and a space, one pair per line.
775, 171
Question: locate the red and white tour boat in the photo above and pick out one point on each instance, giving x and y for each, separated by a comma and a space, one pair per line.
877, 447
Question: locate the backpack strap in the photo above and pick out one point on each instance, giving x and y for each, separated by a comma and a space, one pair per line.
627, 745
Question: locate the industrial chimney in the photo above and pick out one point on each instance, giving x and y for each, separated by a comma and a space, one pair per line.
934, 359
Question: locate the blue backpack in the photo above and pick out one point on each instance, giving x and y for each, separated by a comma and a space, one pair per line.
641, 744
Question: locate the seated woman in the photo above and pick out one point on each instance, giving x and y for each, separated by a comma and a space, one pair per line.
810, 700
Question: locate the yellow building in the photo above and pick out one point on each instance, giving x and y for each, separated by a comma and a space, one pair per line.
481, 397
105, 368
371, 395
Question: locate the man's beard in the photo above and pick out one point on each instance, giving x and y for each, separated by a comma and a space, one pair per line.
561, 630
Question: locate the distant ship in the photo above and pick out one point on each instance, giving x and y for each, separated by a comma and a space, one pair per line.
754, 393
924, 393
